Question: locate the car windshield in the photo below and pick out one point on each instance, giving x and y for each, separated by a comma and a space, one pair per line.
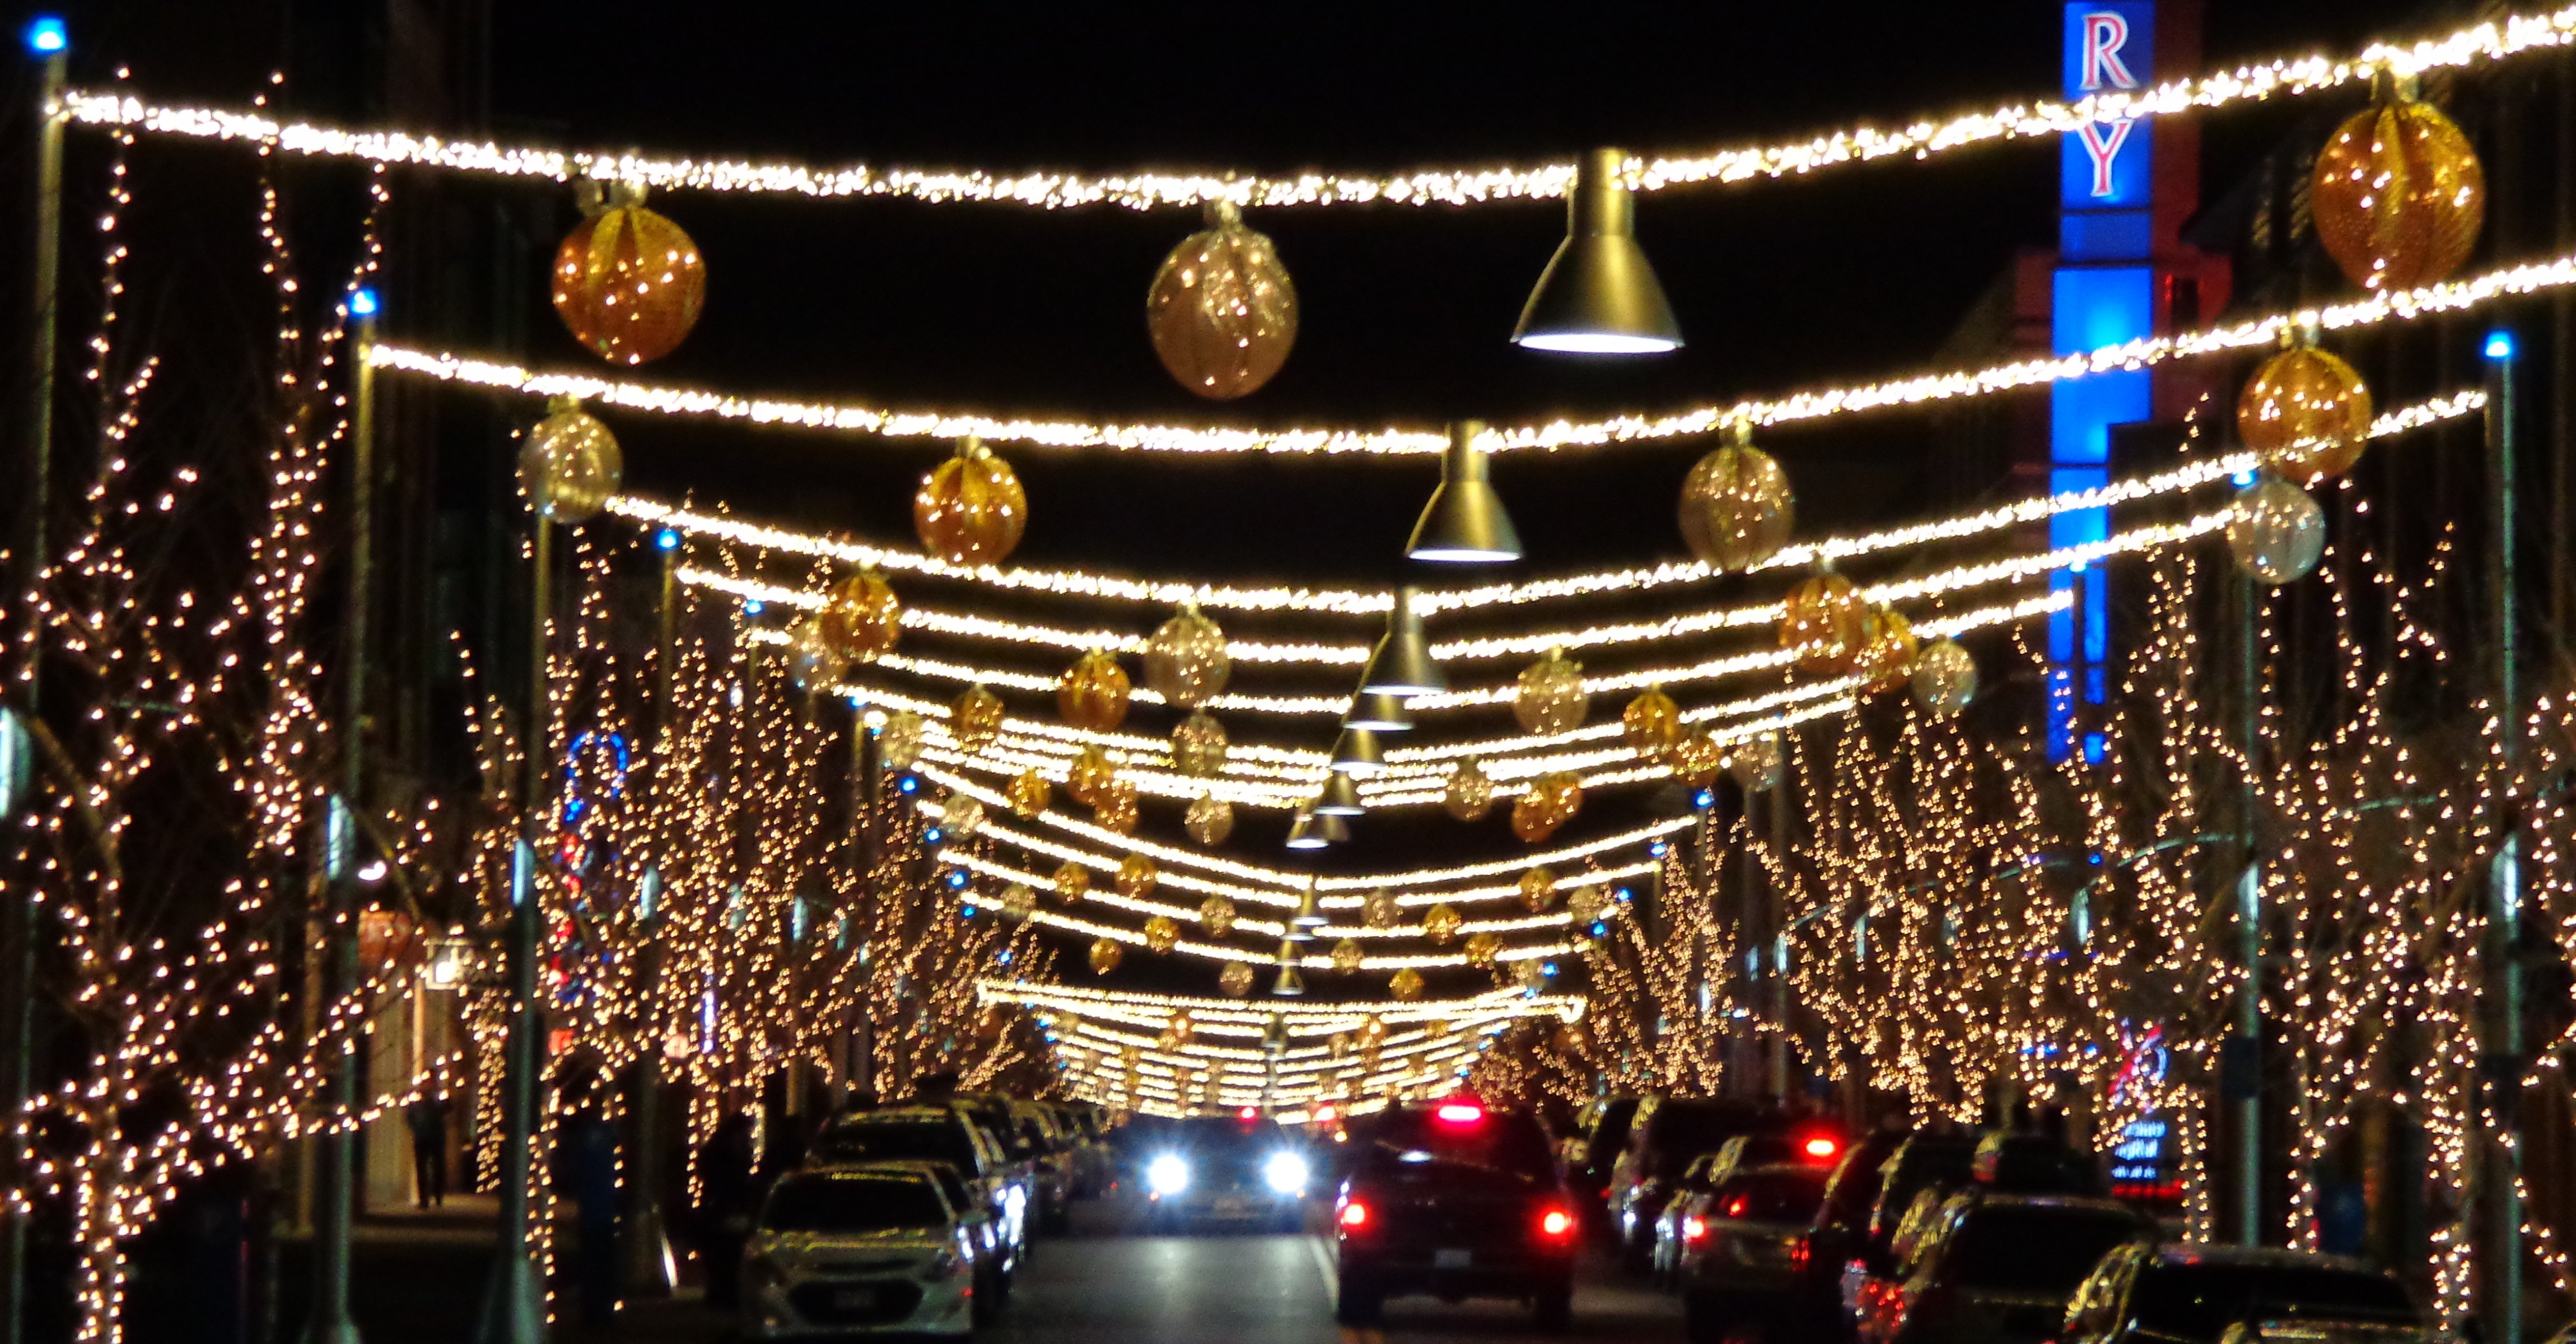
935, 1139
2033, 1250
1769, 1196
853, 1204
1506, 1141
2199, 1301
1920, 1165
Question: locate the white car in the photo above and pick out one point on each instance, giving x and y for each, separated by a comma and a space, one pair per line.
854, 1251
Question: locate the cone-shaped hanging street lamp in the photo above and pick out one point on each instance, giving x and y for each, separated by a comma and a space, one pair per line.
1598, 295
1465, 522
1379, 713
1401, 665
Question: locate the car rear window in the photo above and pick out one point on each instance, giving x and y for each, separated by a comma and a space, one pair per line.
934, 1140
853, 1204
2199, 1302
1769, 1196
2033, 1250
1507, 1141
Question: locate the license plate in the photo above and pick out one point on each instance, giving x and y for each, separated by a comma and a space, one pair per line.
854, 1299
1451, 1259
1233, 1204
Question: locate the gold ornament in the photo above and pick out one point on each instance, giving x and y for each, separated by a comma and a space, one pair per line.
1221, 310
1587, 902
2306, 413
1185, 659
571, 465
2277, 533
1945, 678
1825, 624
1380, 910
1235, 979
960, 817
1406, 986
1887, 649
1162, 934
1481, 950
1089, 775
1209, 821
1019, 900
1470, 795
1093, 693
1029, 793
1550, 697
1696, 758
1072, 883
1538, 889
1755, 763
1372, 1031
2399, 195
862, 618
1178, 1031
1116, 810
975, 718
1552, 801
1105, 955
899, 741
1216, 916
1137, 877
1531, 975
1440, 924
627, 281
1338, 1044
811, 663
1736, 510
1651, 722
970, 509
1346, 955
1198, 745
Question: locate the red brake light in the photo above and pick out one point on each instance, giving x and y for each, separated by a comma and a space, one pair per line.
1799, 1254
1460, 1112
1693, 1229
1354, 1214
1248, 1113
1555, 1223
1821, 1147
1735, 1207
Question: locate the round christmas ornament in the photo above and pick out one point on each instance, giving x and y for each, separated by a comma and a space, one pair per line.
1137, 877
1235, 979
1199, 745
1347, 955
1826, 623
1380, 910
1116, 810
1209, 821
1587, 903
1887, 649
1440, 924
1338, 1045
628, 283
1180, 1029
1550, 697
1696, 759
2277, 533
1029, 793
975, 717
1481, 949
1090, 776
899, 741
2399, 195
1372, 1031
970, 509
1185, 659
1105, 956
1538, 889
2306, 413
1945, 678
1093, 693
1221, 310
1552, 801
1531, 975
1072, 883
1469, 795
961, 816
811, 663
1736, 511
862, 617
1216, 916
1651, 723
1755, 762
570, 466
1405, 985
1018, 900
1162, 934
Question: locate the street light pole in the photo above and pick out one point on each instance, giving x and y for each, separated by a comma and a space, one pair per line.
647, 1245
2243, 1083
2502, 1063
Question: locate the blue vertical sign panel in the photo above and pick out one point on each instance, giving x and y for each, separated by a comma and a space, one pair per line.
2102, 294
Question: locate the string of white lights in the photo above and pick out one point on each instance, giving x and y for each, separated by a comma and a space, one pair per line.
1918, 139
1337, 1015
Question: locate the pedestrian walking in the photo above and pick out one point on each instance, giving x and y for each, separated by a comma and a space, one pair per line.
426, 1118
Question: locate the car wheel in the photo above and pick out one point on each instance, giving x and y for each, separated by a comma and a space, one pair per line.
1554, 1311
1355, 1304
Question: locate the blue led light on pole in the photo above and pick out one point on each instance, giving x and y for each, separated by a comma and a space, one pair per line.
46, 36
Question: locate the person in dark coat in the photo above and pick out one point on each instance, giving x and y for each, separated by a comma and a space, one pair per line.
594, 1182
724, 1220
426, 1118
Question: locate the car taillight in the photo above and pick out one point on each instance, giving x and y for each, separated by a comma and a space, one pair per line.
1821, 1148
1354, 1216
1735, 1207
1556, 1224
1460, 1112
1694, 1229
1799, 1255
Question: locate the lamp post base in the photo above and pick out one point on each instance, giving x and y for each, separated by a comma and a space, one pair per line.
513, 1307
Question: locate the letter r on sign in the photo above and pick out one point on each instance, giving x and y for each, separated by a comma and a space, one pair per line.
2105, 33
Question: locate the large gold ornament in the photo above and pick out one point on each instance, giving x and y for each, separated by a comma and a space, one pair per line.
1736, 510
1235, 979
1162, 934
1380, 910
1441, 922
1176, 1032
1347, 955
1538, 888
2399, 196
1221, 310
1209, 820
1072, 883
1651, 722
1137, 877
1550, 697
1405, 985
1216, 916
1825, 624
627, 281
1029, 793
862, 618
571, 465
1696, 758
961, 816
1019, 900
1089, 776
1481, 949
1372, 1031
1105, 956
2277, 533
1093, 693
1185, 659
1887, 649
1552, 801
1945, 678
1470, 795
970, 509
1116, 810
975, 717
1199, 745
1755, 762
2306, 413
812, 664
899, 741
1587, 902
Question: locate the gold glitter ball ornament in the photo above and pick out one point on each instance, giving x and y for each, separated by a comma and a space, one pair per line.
1093, 693
1018, 900
811, 661
970, 509
1209, 820
1736, 510
961, 816
2306, 413
1072, 883
1696, 759
1090, 775
1185, 659
1825, 624
570, 466
2277, 532
1199, 745
1347, 955
1549, 697
1887, 649
1469, 795
1030, 792
899, 741
1235, 979
1137, 877
1338, 1045
1945, 678
1216, 916
975, 717
1221, 310
1405, 985
1755, 762
1651, 722
1105, 956
1587, 902
1552, 801
2399, 196
862, 617
1440, 924
628, 283
1162, 934
1481, 950
1538, 889
1380, 910
1116, 810
1372, 1031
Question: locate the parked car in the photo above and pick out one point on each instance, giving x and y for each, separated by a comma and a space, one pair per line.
1840, 1229
1814, 1145
2034, 1164
1600, 1135
1741, 1244
1870, 1272
992, 1285
1050, 1164
1239, 1171
1999, 1269
2195, 1294
1696, 1181
936, 1133
1663, 1138
843, 1251
1455, 1200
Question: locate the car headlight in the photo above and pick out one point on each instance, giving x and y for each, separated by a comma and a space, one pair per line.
1286, 1173
1168, 1174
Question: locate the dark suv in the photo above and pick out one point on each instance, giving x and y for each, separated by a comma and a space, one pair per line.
1998, 1269
2194, 1294
1458, 1201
